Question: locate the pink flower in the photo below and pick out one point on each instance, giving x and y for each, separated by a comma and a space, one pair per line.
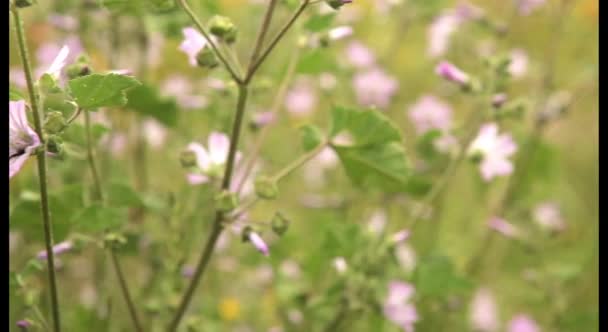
181, 89
193, 43
58, 249
291, 269
406, 257
22, 139
377, 222
261, 119
358, 55
452, 73
519, 63
503, 227
444, 26
301, 99
327, 81
523, 323
484, 315
17, 77
429, 112
445, 143
494, 151
397, 306
210, 161
400, 236
258, 243
374, 87
548, 216
59, 62
155, 133
526, 7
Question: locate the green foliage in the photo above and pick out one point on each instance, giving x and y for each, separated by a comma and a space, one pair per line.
435, 277
146, 100
312, 136
101, 90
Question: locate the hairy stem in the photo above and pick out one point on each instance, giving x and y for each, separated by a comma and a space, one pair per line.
42, 175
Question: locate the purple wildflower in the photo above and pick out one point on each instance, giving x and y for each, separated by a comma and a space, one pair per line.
23, 140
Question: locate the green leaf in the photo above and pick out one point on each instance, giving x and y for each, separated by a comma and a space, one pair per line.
120, 194
97, 218
381, 166
319, 22
101, 90
146, 100
425, 146
435, 276
14, 95
366, 127
312, 136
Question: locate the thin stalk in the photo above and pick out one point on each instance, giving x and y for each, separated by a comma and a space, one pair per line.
100, 198
262, 34
219, 216
125, 291
276, 106
256, 65
203, 31
42, 175
91, 158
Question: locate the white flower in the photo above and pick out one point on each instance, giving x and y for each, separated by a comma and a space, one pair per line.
494, 150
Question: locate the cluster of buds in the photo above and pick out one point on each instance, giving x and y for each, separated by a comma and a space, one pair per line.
223, 28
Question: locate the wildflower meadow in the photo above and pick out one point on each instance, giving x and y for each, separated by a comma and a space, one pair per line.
303, 166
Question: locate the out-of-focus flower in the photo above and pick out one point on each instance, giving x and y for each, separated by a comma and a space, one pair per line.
429, 112
65, 22
374, 87
264, 274
340, 32
229, 308
24, 324
295, 316
314, 170
499, 99
155, 48
327, 81
494, 151
377, 222
448, 22
523, 323
301, 99
193, 43
261, 119
210, 161
359, 56
484, 315
400, 236
503, 227
22, 139
181, 89
445, 143
187, 271
58, 249
290, 269
547, 215
452, 73
155, 133
526, 7
88, 295
17, 77
519, 63
406, 256
398, 307
340, 264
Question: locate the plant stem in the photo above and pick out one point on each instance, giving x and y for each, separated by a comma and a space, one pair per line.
125, 291
100, 198
219, 216
91, 158
262, 34
299, 162
256, 65
203, 31
42, 176
276, 106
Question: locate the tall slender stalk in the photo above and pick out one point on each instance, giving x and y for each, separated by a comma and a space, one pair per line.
100, 198
42, 175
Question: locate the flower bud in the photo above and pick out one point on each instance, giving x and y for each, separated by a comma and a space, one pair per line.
188, 158
24, 3
54, 144
280, 224
250, 236
226, 201
114, 240
556, 106
223, 28
24, 325
206, 58
335, 4
266, 187
54, 123
78, 70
